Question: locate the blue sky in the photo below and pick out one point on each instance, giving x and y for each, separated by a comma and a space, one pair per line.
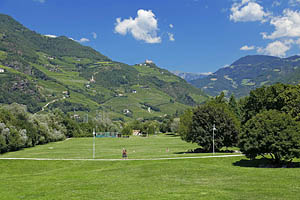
185, 35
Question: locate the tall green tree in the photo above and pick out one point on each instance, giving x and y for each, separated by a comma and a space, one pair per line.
271, 133
185, 123
204, 117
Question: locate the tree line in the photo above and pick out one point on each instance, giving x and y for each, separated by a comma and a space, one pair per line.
20, 129
266, 123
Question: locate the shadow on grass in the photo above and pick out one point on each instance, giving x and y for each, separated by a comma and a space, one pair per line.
200, 150
172, 135
264, 163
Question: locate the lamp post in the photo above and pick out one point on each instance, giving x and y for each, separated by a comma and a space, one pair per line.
94, 134
214, 129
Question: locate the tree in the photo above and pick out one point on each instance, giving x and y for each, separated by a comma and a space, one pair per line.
175, 125
149, 128
165, 126
271, 133
185, 123
136, 124
204, 117
234, 106
220, 98
279, 97
127, 130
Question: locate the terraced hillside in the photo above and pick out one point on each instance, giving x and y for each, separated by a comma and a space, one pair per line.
249, 73
47, 73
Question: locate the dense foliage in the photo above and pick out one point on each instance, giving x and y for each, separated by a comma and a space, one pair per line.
185, 123
20, 129
17, 88
201, 126
281, 97
271, 133
269, 119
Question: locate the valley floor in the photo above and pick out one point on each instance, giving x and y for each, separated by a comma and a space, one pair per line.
210, 178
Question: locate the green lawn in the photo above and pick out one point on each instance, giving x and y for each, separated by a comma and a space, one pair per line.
137, 147
206, 178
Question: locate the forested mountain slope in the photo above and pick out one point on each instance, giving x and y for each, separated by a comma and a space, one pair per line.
251, 72
46, 73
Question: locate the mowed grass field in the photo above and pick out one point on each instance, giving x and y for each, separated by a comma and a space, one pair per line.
200, 178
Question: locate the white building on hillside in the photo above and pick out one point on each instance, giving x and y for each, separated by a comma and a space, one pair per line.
148, 61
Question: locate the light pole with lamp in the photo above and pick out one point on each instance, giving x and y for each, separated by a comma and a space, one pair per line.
214, 129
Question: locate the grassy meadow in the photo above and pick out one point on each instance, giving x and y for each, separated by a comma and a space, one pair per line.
202, 178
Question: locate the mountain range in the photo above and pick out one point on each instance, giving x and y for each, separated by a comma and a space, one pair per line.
190, 76
46, 73
248, 73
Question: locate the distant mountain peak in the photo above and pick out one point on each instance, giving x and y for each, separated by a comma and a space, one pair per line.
254, 59
250, 72
189, 76
293, 57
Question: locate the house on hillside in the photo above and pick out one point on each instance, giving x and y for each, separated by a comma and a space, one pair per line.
126, 111
1, 70
51, 57
92, 80
136, 132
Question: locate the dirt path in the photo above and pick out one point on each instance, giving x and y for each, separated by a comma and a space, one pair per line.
143, 159
53, 101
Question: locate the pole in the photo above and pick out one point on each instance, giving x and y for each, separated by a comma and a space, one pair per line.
214, 139
214, 128
94, 146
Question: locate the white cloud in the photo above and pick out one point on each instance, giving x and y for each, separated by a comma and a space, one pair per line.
294, 2
206, 73
248, 10
287, 25
247, 48
276, 48
143, 27
94, 35
171, 37
276, 3
82, 40
41, 1
171, 26
51, 36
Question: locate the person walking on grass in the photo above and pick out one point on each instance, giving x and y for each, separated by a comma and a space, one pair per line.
124, 153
